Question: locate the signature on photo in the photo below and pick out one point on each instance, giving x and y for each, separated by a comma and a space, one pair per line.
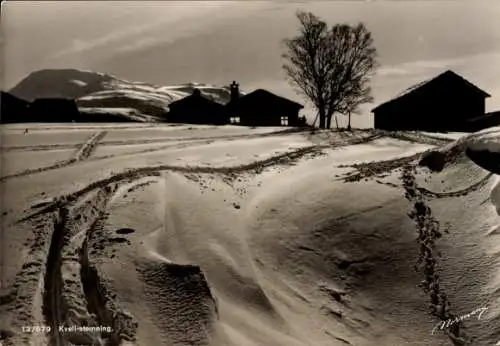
448, 323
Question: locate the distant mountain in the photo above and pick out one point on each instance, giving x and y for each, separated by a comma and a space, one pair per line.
66, 83
102, 94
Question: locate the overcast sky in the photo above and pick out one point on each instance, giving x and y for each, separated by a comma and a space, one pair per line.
167, 42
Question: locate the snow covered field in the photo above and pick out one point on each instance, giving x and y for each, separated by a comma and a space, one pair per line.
203, 235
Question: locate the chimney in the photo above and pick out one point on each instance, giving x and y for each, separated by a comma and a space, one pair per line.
235, 91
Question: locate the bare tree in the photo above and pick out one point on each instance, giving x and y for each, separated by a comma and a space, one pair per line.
332, 67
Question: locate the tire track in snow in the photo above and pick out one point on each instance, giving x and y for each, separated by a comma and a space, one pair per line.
83, 153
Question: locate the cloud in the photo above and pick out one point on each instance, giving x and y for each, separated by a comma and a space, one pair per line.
161, 24
79, 45
416, 67
429, 67
138, 44
392, 71
158, 37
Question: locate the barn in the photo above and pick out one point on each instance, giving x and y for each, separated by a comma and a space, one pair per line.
196, 109
13, 109
263, 108
447, 102
53, 110
258, 108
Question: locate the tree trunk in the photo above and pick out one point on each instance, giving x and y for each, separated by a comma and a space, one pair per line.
322, 118
329, 122
349, 122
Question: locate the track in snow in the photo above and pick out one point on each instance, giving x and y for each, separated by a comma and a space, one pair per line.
458, 193
375, 168
149, 141
429, 232
73, 294
83, 152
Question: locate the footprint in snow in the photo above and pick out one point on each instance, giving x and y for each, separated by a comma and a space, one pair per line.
125, 231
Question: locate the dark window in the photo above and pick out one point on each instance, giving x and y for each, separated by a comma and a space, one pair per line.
284, 121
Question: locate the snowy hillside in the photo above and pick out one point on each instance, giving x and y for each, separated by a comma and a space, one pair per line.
98, 93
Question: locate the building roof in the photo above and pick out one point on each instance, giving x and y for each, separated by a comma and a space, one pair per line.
449, 75
261, 93
8, 97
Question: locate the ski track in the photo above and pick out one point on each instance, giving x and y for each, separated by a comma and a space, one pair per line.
73, 293
53, 305
85, 150
419, 138
133, 174
196, 142
150, 141
83, 153
88, 147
